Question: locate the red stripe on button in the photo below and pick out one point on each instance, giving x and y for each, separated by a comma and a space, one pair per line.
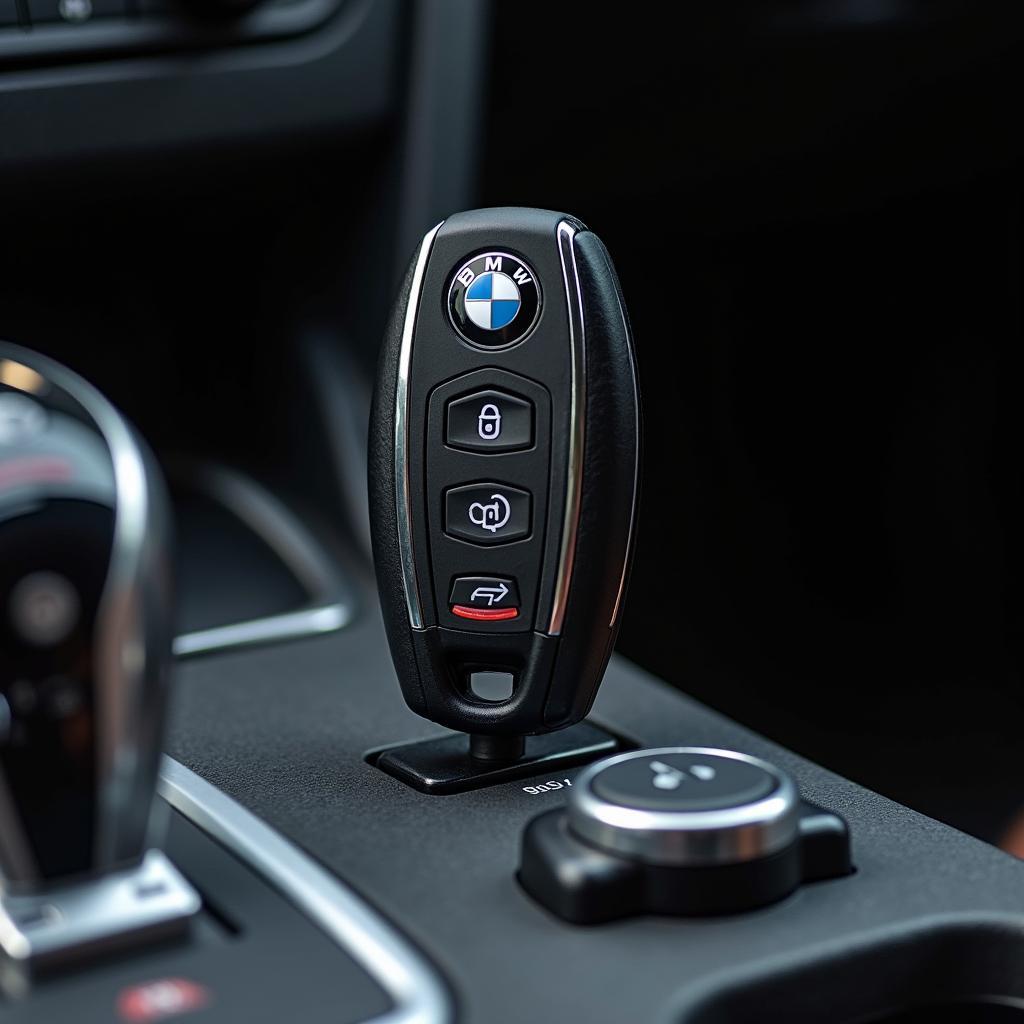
484, 614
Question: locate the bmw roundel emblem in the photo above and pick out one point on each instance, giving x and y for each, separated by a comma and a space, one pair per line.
494, 300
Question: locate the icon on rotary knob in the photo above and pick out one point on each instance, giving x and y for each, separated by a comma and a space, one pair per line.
667, 777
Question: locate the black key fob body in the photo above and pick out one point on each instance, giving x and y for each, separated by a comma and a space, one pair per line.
504, 460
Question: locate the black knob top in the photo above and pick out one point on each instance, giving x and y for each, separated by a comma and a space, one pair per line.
688, 781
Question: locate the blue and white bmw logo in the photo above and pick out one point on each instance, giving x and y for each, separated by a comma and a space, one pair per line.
494, 300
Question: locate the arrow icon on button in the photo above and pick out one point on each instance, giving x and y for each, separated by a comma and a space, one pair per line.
492, 594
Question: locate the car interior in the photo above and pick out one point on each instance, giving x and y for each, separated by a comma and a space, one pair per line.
509, 512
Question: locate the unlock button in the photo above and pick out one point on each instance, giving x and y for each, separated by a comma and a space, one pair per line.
487, 513
490, 421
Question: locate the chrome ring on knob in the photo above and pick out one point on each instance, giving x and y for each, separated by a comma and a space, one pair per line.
700, 838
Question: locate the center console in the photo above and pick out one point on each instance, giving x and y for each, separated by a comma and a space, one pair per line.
929, 916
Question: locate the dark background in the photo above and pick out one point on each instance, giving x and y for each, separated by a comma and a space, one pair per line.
815, 212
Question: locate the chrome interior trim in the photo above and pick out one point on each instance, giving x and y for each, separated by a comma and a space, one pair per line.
274, 628
636, 463
332, 602
69, 923
403, 500
577, 428
416, 990
268, 517
132, 656
728, 835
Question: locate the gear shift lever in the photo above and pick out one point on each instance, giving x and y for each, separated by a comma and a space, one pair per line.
84, 634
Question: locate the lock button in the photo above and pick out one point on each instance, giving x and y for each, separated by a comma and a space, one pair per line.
489, 421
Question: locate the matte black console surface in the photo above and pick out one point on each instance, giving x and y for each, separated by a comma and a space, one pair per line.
285, 730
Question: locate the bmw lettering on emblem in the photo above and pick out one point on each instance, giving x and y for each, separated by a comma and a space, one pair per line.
494, 300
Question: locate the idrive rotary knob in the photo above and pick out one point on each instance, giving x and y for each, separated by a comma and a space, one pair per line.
678, 830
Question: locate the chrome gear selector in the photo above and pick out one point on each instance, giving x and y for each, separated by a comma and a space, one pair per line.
503, 474
678, 830
85, 615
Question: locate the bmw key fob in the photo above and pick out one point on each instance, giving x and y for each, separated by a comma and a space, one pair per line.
504, 456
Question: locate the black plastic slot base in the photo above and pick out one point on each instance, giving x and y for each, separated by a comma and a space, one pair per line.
444, 765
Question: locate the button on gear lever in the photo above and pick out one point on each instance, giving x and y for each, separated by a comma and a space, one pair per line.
504, 449
85, 622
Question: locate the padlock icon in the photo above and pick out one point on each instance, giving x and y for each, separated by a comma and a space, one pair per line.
489, 422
